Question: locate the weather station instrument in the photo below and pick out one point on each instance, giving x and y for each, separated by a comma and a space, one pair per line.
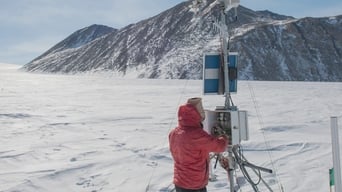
220, 76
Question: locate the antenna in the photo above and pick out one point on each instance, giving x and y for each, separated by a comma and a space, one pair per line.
227, 70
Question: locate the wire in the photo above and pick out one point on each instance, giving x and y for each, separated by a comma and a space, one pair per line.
261, 123
166, 139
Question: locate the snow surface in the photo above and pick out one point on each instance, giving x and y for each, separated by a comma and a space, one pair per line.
100, 133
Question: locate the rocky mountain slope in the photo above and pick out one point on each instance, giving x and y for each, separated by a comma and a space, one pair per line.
172, 44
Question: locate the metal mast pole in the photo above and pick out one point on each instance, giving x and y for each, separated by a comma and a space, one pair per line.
225, 38
224, 42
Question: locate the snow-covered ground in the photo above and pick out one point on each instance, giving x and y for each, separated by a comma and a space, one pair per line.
92, 133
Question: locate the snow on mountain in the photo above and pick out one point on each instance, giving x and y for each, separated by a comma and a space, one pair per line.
172, 44
306, 49
82, 37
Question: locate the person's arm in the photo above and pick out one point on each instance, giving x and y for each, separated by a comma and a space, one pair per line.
213, 144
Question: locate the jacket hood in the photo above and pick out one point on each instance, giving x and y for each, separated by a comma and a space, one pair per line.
188, 116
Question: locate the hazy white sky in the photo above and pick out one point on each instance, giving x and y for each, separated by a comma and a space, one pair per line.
30, 27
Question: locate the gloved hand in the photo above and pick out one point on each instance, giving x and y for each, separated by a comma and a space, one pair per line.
224, 162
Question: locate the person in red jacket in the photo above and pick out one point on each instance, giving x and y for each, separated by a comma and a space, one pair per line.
190, 146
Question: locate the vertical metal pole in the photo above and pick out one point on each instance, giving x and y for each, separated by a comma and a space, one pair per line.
226, 91
225, 57
336, 154
231, 170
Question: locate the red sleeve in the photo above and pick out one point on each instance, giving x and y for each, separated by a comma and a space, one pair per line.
211, 143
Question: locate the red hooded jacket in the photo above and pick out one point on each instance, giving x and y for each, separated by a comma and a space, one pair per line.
190, 146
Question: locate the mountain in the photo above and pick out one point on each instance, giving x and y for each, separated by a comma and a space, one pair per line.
308, 49
72, 42
171, 45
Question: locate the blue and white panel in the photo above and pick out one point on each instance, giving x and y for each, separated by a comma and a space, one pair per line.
213, 84
211, 73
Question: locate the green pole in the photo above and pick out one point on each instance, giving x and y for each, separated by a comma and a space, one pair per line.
331, 176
